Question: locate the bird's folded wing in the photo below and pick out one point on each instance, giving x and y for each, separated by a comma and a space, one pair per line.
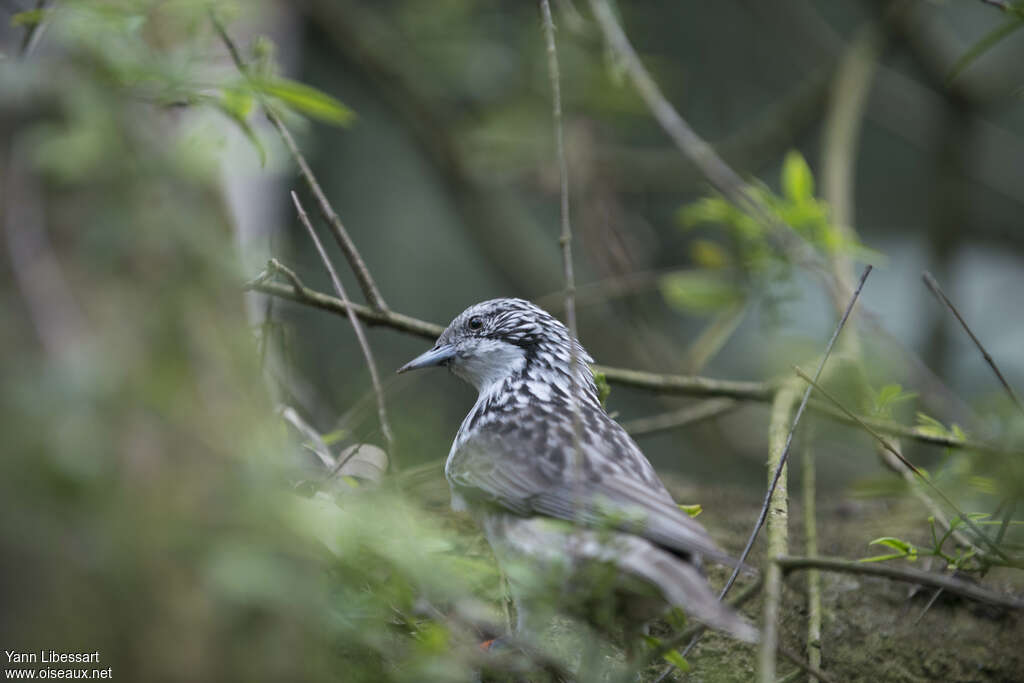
481, 471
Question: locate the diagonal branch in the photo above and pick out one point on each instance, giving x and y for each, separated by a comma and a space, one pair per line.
933, 285
348, 247
721, 176
357, 327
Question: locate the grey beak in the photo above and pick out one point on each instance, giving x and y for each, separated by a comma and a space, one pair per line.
435, 356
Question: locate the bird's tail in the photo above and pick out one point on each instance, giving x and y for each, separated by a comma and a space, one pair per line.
685, 587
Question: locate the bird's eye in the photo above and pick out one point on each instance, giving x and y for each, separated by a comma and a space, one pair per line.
476, 322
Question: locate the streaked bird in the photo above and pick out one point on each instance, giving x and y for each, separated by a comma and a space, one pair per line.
519, 464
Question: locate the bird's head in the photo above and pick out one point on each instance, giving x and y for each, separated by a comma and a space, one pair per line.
500, 338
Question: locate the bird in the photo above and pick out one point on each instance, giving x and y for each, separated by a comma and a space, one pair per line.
558, 486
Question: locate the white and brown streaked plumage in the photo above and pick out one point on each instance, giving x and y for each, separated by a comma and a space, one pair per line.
513, 465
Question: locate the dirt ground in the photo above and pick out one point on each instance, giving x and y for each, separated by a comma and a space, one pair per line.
873, 629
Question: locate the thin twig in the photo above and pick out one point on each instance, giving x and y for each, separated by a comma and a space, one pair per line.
357, 327
310, 297
807, 666
348, 247
705, 410
909, 465
907, 574
933, 285
796, 421
565, 238
814, 644
999, 4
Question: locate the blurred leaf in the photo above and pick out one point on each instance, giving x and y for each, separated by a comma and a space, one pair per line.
708, 254
238, 105
313, 439
888, 397
363, 461
984, 45
797, 180
29, 17
699, 291
306, 100
713, 337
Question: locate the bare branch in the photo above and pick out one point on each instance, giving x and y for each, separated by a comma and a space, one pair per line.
933, 285
362, 273
908, 574
357, 327
705, 410
565, 239
667, 384
370, 316
775, 512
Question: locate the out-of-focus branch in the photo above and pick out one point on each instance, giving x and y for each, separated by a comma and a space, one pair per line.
348, 247
705, 410
721, 176
357, 327
908, 574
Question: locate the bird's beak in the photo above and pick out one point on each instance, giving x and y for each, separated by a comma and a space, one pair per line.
435, 356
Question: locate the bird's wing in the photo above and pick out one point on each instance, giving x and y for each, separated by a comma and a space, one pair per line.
606, 494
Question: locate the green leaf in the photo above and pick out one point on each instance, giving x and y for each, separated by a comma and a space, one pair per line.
930, 426
306, 100
797, 180
888, 397
984, 45
676, 659
692, 510
603, 388
699, 291
905, 549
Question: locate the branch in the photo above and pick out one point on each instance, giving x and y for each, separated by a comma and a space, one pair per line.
814, 610
348, 247
704, 410
933, 285
776, 510
908, 574
364, 345
372, 317
565, 239
680, 385
687, 385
